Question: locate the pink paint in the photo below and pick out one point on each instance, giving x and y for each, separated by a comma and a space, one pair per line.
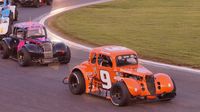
20, 45
37, 40
42, 39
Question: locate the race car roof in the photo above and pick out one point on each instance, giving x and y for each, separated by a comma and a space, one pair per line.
28, 25
113, 50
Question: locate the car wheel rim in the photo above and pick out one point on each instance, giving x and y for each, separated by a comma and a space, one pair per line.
116, 95
74, 82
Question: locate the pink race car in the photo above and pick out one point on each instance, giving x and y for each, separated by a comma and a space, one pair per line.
29, 43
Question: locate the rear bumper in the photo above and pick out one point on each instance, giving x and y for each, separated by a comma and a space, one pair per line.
39, 57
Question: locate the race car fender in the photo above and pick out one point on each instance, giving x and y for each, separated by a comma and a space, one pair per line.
7, 41
133, 86
163, 83
86, 72
32, 48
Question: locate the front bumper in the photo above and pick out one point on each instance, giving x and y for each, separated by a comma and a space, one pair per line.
40, 57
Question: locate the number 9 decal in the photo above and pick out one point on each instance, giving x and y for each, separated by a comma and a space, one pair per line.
105, 78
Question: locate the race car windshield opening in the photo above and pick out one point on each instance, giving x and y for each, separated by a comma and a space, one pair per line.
125, 60
36, 33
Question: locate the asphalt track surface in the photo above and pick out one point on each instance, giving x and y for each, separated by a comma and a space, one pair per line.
39, 88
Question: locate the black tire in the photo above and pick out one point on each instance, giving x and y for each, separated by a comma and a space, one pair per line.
120, 95
66, 59
4, 51
77, 83
168, 96
49, 2
24, 58
36, 3
16, 14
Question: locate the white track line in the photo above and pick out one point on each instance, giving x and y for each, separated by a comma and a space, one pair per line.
43, 18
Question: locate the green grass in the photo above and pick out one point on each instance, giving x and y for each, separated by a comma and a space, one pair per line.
161, 30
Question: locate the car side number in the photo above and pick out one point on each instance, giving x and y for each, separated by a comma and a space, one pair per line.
105, 78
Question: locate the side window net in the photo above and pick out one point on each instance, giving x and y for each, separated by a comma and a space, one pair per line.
105, 61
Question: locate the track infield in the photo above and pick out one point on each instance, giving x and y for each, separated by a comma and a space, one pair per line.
159, 30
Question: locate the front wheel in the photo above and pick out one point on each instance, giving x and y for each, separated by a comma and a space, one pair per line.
66, 58
120, 95
76, 83
24, 58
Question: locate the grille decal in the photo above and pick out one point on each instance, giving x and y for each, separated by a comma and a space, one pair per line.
150, 81
48, 50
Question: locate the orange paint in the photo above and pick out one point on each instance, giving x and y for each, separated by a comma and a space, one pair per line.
103, 69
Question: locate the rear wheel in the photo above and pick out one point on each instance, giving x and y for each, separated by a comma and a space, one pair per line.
4, 51
77, 83
65, 59
24, 58
120, 95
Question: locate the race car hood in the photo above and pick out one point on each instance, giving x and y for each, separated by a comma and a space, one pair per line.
40, 40
135, 70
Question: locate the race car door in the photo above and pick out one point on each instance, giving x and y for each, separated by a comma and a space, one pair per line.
93, 64
105, 71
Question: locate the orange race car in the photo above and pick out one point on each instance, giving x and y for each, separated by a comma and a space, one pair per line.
114, 73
